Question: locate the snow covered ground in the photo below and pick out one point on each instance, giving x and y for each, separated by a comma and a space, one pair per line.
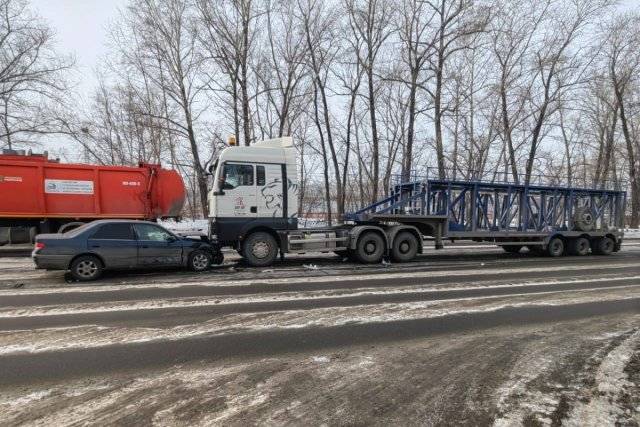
546, 342
631, 233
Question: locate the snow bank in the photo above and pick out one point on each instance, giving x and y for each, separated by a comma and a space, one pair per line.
631, 233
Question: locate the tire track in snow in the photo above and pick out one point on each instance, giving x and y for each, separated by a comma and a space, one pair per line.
167, 313
20, 369
91, 294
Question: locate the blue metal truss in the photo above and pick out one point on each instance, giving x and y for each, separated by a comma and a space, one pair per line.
475, 206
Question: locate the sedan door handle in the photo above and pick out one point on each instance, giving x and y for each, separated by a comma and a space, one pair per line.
95, 246
145, 247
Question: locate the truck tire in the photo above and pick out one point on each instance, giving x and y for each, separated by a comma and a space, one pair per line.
579, 246
200, 261
260, 249
603, 246
370, 248
86, 268
405, 247
556, 247
512, 249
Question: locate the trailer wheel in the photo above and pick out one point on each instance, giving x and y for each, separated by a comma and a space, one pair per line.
603, 246
555, 248
370, 248
405, 247
579, 246
86, 268
260, 249
512, 249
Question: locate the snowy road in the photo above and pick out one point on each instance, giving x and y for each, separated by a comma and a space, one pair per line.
466, 335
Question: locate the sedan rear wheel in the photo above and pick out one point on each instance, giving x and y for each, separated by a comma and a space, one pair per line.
86, 267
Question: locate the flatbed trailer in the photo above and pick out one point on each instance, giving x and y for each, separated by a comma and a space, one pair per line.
254, 204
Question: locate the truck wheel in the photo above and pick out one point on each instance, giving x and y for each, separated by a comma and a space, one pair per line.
200, 260
512, 249
370, 248
260, 249
86, 268
555, 248
405, 247
579, 246
603, 246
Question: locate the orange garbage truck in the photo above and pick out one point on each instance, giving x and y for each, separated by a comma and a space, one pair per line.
42, 195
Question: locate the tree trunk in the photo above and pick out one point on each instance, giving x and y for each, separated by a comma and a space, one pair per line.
408, 152
200, 175
506, 124
374, 136
631, 154
437, 105
327, 187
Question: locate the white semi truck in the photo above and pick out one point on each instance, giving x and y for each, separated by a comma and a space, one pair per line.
253, 207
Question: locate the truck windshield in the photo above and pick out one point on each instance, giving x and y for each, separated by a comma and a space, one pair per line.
237, 175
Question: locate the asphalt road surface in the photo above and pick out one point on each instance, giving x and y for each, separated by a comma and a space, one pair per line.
464, 336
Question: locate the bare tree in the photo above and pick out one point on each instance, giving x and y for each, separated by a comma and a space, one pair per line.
414, 28
557, 66
622, 50
370, 20
228, 35
32, 76
318, 22
455, 22
168, 50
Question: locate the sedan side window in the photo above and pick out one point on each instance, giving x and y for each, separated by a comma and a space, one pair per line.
152, 233
117, 231
237, 175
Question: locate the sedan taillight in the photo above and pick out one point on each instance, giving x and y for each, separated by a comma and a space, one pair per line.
39, 245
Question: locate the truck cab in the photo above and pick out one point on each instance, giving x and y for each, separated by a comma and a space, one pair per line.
255, 189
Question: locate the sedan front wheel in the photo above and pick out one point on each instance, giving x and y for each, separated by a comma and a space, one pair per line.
200, 261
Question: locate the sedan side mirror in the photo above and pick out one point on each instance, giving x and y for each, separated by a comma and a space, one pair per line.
171, 239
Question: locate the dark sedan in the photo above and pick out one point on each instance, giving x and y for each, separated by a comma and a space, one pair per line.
120, 244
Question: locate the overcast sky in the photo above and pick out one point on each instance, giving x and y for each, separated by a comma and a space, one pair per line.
82, 27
